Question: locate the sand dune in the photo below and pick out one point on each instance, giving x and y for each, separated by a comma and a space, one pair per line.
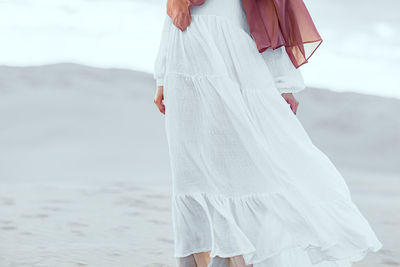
85, 178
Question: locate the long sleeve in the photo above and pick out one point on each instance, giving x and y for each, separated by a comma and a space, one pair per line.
287, 78
160, 62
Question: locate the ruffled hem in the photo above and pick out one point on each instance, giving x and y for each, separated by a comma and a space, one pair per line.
271, 229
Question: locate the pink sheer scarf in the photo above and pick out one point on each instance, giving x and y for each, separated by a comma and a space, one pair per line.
276, 23
272, 23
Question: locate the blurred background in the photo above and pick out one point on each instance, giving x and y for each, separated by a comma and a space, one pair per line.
84, 168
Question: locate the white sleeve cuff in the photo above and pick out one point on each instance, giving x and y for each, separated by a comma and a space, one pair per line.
160, 82
287, 78
290, 89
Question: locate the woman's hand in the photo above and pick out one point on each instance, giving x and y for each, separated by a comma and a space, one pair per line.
291, 100
158, 99
179, 11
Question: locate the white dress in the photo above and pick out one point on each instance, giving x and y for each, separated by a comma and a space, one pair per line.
247, 180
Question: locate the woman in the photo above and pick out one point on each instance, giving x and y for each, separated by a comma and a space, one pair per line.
249, 187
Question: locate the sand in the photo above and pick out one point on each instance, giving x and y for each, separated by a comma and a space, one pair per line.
84, 168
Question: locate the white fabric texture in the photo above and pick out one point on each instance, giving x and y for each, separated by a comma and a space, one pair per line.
287, 78
247, 180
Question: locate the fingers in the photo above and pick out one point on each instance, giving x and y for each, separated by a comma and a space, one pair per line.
160, 105
158, 99
179, 11
296, 104
197, 2
293, 105
182, 21
291, 100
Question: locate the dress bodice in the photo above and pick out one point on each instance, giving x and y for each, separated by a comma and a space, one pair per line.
229, 9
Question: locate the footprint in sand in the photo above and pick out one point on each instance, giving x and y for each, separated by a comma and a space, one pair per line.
166, 240
133, 213
126, 187
390, 262
51, 208
121, 228
36, 216
58, 201
26, 233
156, 221
8, 228
109, 190
7, 201
78, 233
147, 206
114, 254
78, 224
156, 196
80, 264
139, 203
385, 252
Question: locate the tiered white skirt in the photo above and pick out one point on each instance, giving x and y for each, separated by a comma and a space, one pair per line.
247, 180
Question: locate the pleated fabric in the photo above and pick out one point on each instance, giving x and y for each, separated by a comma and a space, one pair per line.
247, 180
